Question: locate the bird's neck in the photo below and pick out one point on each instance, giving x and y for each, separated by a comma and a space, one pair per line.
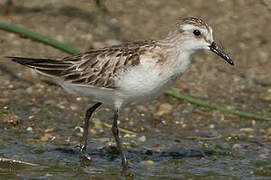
179, 58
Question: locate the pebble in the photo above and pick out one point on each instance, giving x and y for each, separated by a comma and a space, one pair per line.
142, 139
61, 106
142, 108
164, 109
147, 163
74, 107
112, 42
246, 130
31, 117
236, 146
78, 128
46, 137
29, 90
59, 38
4, 100
29, 129
212, 126
267, 3
16, 43
266, 96
11, 86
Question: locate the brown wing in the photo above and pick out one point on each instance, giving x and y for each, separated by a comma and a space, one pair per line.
95, 67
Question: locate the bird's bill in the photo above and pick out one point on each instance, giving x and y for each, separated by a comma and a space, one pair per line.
214, 48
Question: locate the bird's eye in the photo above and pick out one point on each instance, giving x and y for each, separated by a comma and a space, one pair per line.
197, 32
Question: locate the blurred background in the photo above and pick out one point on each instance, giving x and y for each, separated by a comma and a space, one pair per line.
169, 139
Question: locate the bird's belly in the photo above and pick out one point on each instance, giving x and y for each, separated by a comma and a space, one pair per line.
138, 86
142, 93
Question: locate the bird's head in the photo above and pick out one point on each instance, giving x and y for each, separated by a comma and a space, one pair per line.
192, 34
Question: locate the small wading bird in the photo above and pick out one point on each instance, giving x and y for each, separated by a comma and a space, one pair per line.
130, 73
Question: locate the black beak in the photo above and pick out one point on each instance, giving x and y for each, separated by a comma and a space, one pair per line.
220, 52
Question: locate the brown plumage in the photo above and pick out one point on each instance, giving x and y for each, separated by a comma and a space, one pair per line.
100, 67
194, 21
96, 67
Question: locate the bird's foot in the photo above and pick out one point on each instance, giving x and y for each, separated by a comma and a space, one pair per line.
84, 157
127, 170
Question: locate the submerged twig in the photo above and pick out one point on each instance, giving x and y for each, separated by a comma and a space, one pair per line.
202, 138
13, 161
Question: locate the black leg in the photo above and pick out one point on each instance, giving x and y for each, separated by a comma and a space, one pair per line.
115, 132
83, 147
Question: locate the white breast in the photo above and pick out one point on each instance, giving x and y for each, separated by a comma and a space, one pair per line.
147, 80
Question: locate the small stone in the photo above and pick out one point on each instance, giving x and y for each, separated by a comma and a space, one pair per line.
29, 129
253, 122
266, 96
212, 126
50, 101
236, 146
264, 54
164, 109
92, 131
59, 37
127, 136
269, 130
16, 43
61, 106
47, 137
11, 86
112, 42
49, 130
263, 156
142, 108
142, 139
268, 138
74, 107
147, 163
78, 128
4, 100
246, 130
267, 3
31, 117
29, 90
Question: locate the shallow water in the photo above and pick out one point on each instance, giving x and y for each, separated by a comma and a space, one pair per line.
55, 160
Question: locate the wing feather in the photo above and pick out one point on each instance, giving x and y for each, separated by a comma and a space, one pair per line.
95, 68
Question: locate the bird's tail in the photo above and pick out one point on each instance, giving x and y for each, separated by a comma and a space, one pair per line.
48, 67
